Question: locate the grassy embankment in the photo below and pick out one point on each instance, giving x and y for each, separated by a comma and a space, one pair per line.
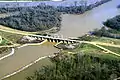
111, 41
15, 31
114, 49
11, 36
91, 49
4, 42
14, 35
107, 40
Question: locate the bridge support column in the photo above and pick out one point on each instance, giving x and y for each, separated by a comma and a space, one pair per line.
68, 42
56, 40
65, 41
35, 37
42, 38
50, 40
53, 40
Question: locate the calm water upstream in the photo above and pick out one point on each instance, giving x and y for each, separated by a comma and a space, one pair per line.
72, 26
77, 25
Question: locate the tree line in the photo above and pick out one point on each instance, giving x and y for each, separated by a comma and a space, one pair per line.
79, 67
33, 19
111, 28
103, 32
10, 9
113, 23
83, 7
73, 9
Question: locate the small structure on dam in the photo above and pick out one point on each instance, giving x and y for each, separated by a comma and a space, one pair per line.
28, 39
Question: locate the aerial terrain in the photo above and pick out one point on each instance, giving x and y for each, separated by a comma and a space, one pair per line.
60, 40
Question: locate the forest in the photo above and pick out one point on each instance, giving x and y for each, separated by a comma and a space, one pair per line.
103, 32
8, 9
75, 9
79, 67
33, 19
113, 23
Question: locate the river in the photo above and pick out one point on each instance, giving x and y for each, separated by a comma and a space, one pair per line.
72, 26
24, 56
77, 25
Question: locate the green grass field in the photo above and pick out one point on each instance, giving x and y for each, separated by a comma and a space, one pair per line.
114, 49
90, 49
10, 36
107, 40
4, 42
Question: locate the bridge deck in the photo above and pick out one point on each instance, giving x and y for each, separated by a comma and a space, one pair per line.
48, 37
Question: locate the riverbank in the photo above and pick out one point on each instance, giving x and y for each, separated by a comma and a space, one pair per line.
30, 56
25, 67
79, 67
29, 71
31, 44
75, 9
10, 54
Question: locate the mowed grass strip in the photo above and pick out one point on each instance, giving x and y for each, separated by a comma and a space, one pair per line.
90, 49
107, 40
4, 42
114, 49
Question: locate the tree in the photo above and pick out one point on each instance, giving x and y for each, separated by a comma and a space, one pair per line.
79, 67
34, 19
113, 23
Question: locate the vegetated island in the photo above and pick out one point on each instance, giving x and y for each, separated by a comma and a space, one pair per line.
113, 23
111, 28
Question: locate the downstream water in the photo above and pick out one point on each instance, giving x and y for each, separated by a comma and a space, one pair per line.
72, 26
24, 56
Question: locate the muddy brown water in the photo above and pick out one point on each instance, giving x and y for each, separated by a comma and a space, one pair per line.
77, 25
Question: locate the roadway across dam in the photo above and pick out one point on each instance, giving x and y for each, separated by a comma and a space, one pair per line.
54, 39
